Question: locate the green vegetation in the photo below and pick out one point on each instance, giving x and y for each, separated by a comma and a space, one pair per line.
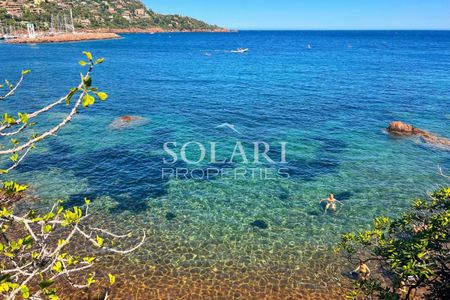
98, 14
409, 256
35, 256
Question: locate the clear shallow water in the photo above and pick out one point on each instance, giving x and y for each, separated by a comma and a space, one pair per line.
330, 103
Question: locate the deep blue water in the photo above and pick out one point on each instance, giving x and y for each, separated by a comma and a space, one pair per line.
330, 102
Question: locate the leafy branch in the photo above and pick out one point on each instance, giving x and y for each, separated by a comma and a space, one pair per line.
10, 126
410, 253
38, 257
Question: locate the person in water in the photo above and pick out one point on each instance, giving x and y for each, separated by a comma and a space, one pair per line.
362, 270
330, 203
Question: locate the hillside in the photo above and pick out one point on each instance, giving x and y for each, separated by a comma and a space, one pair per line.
93, 14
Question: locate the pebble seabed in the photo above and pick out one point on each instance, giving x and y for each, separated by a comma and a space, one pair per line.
182, 261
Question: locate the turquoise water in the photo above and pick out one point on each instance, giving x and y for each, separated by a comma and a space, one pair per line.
329, 102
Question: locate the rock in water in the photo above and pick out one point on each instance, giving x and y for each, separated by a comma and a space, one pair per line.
170, 216
127, 121
399, 128
260, 224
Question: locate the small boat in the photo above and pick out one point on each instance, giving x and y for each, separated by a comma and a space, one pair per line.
240, 50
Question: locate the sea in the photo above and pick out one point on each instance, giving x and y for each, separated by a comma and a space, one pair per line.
222, 156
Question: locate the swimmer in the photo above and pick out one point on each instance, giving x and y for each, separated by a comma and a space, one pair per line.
362, 270
331, 203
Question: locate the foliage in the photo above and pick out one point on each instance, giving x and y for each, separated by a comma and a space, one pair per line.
34, 251
100, 14
411, 253
34, 248
11, 187
13, 130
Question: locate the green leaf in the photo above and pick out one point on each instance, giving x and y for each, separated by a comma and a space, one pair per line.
23, 117
99, 241
82, 63
88, 259
112, 279
87, 81
99, 61
47, 228
91, 280
25, 72
25, 291
5, 278
45, 284
88, 55
102, 96
9, 84
58, 267
420, 255
88, 100
70, 95
14, 157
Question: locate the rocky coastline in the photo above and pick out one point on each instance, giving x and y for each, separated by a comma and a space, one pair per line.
65, 37
99, 34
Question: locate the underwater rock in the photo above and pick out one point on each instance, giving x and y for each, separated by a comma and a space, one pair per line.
260, 224
127, 121
170, 216
399, 128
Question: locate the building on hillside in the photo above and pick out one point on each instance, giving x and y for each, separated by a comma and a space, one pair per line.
83, 22
14, 12
37, 10
140, 12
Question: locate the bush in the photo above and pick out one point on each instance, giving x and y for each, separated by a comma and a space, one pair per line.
410, 254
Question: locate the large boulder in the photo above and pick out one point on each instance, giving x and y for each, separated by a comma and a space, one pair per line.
400, 128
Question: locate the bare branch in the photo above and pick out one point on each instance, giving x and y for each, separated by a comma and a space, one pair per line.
110, 233
14, 132
51, 105
13, 90
87, 236
19, 160
50, 132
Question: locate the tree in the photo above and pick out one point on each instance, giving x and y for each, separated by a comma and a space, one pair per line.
12, 127
34, 247
410, 254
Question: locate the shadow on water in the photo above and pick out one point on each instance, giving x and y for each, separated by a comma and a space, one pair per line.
326, 161
130, 175
344, 195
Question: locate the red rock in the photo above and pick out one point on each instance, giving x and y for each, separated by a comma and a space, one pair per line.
128, 118
399, 128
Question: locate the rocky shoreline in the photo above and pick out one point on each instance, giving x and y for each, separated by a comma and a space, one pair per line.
98, 34
66, 37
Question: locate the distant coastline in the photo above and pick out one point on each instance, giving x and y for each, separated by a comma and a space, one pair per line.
97, 34
65, 37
